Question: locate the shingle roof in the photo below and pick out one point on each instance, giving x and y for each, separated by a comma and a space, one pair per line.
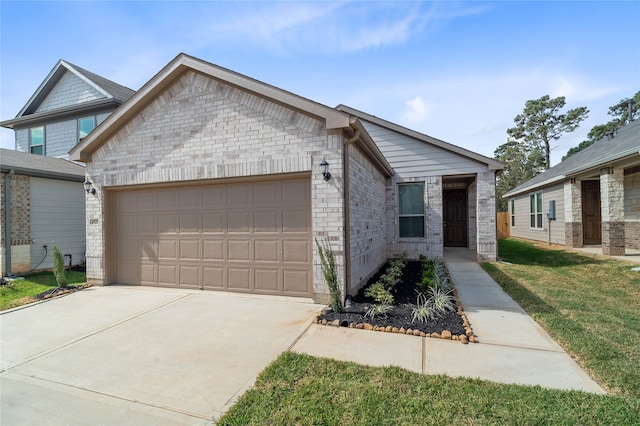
625, 143
40, 166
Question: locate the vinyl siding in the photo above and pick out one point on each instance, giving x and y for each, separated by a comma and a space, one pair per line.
411, 158
57, 218
522, 228
70, 90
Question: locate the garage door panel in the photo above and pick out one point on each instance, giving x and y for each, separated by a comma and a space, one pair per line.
266, 280
239, 250
239, 222
167, 250
213, 250
246, 237
295, 281
266, 221
266, 250
190, 249
190, 276
213, 222
213, 277
296, 251
239, 278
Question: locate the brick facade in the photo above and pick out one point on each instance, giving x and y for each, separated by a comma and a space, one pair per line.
20, 223
573, 213
203, 129
487, 249
367, 216
612, 205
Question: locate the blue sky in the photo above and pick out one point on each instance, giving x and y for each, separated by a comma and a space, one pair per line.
458, 71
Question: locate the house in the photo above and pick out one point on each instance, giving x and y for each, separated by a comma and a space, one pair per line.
69, 104
45, 208
591, 198
209, 179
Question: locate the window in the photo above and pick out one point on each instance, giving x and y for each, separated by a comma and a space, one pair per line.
36, 140
513, 213
411, 217
85, 126
535, 209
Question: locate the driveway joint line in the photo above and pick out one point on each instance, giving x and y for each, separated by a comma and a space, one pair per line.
504, 345
79, 339
122, 398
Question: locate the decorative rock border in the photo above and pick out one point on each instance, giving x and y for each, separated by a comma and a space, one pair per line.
465, 338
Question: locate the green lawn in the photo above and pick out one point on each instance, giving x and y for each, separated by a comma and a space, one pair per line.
589, 304
303, 390
21, 292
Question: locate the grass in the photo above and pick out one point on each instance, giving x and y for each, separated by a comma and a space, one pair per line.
300, 389
21, 292
589, 304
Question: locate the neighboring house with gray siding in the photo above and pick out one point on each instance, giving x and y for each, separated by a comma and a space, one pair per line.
45, 207
66, 107
208, 179
596, 193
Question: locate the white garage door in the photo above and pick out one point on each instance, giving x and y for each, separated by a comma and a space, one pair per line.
247, 237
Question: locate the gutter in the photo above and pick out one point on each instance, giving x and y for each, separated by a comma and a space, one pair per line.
7, 221
43, 173
53, 115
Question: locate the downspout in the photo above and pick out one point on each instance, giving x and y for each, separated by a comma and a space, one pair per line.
7, 222
347, 235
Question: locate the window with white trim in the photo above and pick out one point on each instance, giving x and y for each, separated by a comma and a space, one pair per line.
411, 210
85, 126
36, 140
535, 210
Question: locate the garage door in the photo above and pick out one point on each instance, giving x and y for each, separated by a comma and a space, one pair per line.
250, 237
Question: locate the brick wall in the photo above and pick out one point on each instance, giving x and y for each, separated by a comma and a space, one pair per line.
486, 222
432, 244
632, 210
367, 217
203, 129
70, 90
20, 223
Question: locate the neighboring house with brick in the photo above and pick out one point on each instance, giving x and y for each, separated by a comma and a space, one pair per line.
209, 179
42, 200
66, 107
596, 194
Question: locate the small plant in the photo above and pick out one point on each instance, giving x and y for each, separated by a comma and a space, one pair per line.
393, 273
442, 300
58, 267
380, 294
330, 273
424, 311
378, 310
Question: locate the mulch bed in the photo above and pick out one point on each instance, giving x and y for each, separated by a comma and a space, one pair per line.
453, 325
59, 291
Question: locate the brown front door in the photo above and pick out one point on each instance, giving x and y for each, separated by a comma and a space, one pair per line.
591, 219
455, 217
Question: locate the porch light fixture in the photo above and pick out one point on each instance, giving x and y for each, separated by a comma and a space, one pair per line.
88, 187
324, 166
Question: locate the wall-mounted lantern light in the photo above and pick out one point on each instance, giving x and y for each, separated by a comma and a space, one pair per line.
88, 187
324, 166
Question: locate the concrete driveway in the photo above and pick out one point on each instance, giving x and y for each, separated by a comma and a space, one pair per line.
139, 356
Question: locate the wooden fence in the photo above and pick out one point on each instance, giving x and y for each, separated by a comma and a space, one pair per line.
504, 230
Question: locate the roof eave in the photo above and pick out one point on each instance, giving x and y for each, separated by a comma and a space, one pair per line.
87, 107
371, 149
165, 77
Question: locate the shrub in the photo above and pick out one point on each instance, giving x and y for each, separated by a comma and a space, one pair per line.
377, 310
58, 267
330, 273
442, 300
424, 311
380, 294
393, 273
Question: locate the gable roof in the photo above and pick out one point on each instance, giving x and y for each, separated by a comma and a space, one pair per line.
40, 166
626, 143
171, 72
114, 94
490, 162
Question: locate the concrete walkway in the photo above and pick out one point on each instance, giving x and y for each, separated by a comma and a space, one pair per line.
513, 348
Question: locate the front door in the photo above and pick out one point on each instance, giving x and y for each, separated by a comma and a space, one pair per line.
591, 219
455, 217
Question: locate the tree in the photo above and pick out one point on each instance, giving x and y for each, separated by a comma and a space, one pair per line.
541, 122
620, 114
522, 162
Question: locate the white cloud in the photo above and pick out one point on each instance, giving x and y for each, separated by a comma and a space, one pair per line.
417, 109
